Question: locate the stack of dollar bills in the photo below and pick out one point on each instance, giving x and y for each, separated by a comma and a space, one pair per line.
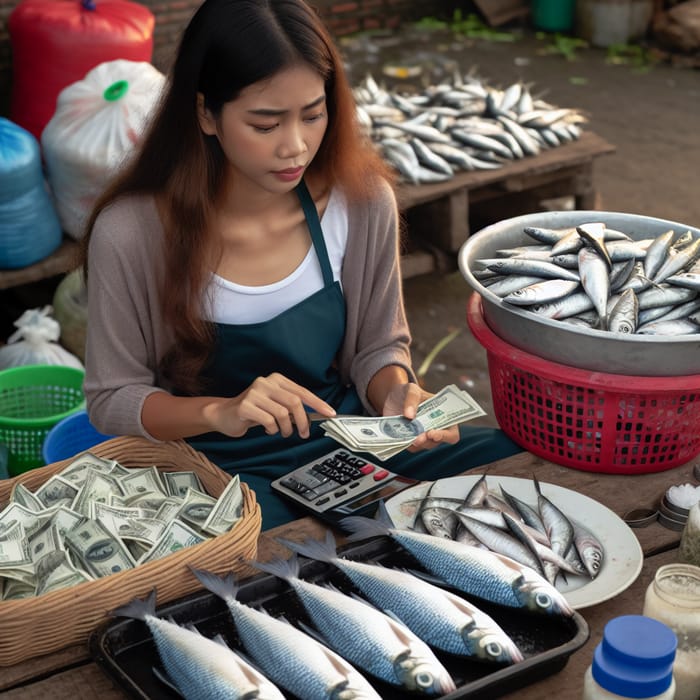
385, 436
96, 517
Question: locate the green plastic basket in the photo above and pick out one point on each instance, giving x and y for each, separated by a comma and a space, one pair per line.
33, 398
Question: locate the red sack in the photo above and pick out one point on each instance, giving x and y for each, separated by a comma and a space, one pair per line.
56, 42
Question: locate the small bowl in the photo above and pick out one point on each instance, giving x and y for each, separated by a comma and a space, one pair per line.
674, 510
670, 522
641, 517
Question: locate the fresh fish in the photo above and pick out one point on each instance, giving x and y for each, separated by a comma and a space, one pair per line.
430, 158
475, 571
291, 658
620, 273
510, 283
677, 260
678, 326
364, 635
528, 514
664, 295
689, 280
574, 304
593, 233
595, 281
199, 667
521, 266
624, 316
559, 528
501, 542
439, 617
542, 292
434, 519
589, 548
547, 235
657, 252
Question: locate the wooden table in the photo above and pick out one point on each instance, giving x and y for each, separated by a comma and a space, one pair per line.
71, 674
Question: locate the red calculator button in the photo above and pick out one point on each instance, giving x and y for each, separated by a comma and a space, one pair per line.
366, 469
381, 474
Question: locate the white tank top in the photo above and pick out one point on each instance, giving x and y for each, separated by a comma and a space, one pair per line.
238, 304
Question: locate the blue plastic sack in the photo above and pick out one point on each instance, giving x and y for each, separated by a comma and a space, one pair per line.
29, 227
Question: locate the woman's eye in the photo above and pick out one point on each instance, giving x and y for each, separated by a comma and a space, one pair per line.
263, 129
315, 117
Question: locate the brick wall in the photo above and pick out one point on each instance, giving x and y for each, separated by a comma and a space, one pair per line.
342, 16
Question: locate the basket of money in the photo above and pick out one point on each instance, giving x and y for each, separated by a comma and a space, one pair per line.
33, 398
593, 421
85, 535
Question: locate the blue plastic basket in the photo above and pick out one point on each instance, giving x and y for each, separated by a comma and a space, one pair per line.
71, 436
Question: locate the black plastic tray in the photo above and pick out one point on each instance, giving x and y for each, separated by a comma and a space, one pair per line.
125, 650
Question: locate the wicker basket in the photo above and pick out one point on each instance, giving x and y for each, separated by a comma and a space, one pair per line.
34, 626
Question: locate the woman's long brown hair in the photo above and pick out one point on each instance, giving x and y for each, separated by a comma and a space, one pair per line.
228, 45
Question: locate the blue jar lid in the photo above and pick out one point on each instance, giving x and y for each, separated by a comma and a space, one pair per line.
635, 658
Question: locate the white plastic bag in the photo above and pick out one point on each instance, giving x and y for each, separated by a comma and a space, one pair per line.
34, 342
97, 125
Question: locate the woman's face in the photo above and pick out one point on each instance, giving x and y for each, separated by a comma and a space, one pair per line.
271, 132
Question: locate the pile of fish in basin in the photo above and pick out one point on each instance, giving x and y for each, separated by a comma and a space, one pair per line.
603, 291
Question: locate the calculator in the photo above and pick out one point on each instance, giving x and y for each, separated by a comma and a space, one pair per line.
340, 483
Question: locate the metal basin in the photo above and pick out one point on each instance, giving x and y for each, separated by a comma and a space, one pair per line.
600, 351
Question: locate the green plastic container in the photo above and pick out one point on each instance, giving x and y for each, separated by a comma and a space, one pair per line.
33, 398
553, 15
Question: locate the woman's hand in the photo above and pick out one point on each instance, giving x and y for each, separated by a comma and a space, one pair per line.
403, 400
275, 402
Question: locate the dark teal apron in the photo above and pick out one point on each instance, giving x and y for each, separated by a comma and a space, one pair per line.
302, 343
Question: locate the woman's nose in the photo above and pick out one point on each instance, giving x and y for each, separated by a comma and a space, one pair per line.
293, 143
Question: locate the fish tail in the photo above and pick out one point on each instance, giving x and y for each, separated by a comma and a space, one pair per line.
321, 550
282, 568
225, 587
138, 609
362, 528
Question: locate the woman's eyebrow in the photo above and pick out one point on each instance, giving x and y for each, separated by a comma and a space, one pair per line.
276, 112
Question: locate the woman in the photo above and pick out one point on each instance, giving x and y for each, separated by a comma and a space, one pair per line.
244, 269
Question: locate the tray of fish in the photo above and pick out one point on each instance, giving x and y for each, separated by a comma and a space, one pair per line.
307, 626
602, 291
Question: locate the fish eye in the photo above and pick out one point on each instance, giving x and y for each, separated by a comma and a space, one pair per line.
543, 600
424, 679
494, 649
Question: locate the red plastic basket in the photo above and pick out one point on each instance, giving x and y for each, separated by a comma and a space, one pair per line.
593, 421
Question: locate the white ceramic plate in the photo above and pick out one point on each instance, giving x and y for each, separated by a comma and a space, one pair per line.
623, 555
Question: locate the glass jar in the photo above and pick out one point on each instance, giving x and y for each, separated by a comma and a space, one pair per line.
633, 660
689, 550
673, 597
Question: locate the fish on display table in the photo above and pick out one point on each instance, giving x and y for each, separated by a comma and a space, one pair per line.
473, 570
199, 668
365, 636
443, 619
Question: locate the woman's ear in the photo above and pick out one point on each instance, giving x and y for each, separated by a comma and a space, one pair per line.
207, 123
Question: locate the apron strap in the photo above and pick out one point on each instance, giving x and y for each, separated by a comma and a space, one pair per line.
314, 224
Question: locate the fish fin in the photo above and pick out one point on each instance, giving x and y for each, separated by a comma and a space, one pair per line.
362, 528
430, 578
138, 609
282, 568
321, 550
313, 633
224, 587
165, 679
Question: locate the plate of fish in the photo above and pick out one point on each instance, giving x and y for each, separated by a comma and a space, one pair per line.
578, 544
303, 631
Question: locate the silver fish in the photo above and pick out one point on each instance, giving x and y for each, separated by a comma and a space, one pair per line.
664, 295
589, 549
689, 280
624, 316
528, 267
291, 658
547, 235
595, 281
678, 326
199, 667
572, 305
542, 292
441, 618
657, 252
364, 635
677, 260
593, 233
475, 571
